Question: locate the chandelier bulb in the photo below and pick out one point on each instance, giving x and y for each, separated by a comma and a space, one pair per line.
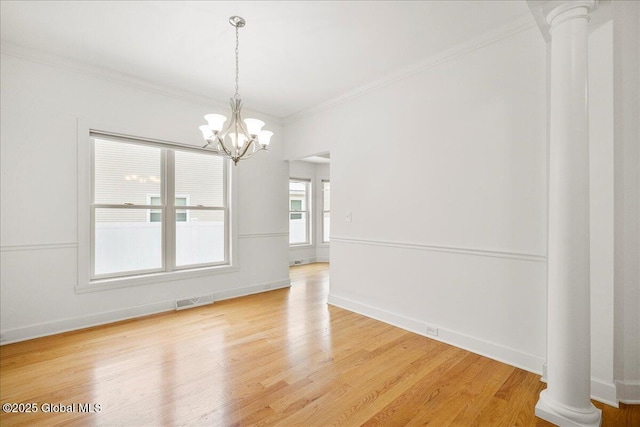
254, 126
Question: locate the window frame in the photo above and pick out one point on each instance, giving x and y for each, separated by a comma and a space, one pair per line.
87, 280
306, 212
322, 183
178, 196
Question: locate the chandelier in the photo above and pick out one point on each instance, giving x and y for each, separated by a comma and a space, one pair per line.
240, 139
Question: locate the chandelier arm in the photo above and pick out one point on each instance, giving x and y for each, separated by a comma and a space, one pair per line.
254, 153
211, 141
243, 127
221, 143
221, 135
225, 130
250, 140
224, 147
250, 143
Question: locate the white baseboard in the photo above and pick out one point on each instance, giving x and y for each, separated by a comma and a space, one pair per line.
488, 349
604, 392
311, 260
250, 290
65, 325
628, 392
601, 391
302, 261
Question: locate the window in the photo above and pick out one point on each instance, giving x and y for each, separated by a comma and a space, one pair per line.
155, 215
326, 210
296, 205
299, 221
156, 208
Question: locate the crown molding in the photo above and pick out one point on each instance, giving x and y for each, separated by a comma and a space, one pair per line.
523, 23
49, 59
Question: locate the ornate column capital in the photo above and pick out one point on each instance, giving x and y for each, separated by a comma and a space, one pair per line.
553, 12
557, 12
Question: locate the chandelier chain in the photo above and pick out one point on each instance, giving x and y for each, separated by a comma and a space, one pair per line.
237, 95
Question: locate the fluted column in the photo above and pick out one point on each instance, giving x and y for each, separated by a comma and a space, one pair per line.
566, 401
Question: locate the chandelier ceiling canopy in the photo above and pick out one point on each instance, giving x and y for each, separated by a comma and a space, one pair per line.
239, 139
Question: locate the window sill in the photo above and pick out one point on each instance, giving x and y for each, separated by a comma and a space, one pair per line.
301, 246
148, 279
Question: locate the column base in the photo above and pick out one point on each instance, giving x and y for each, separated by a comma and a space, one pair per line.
565, 416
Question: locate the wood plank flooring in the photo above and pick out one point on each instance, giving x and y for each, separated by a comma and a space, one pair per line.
282, 358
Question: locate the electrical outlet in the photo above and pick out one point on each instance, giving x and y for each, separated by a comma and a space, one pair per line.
432, 330
349, 217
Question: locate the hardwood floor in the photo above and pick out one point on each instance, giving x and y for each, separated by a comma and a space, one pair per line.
283, 357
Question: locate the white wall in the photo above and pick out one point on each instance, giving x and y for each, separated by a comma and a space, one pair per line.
626, 130
451, 228
41, 105
445, 174
316, 251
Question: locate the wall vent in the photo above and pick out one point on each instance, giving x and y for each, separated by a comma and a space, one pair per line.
298, 262
194, 302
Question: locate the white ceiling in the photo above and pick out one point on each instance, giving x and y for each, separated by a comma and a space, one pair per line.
324, 158
294, 55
